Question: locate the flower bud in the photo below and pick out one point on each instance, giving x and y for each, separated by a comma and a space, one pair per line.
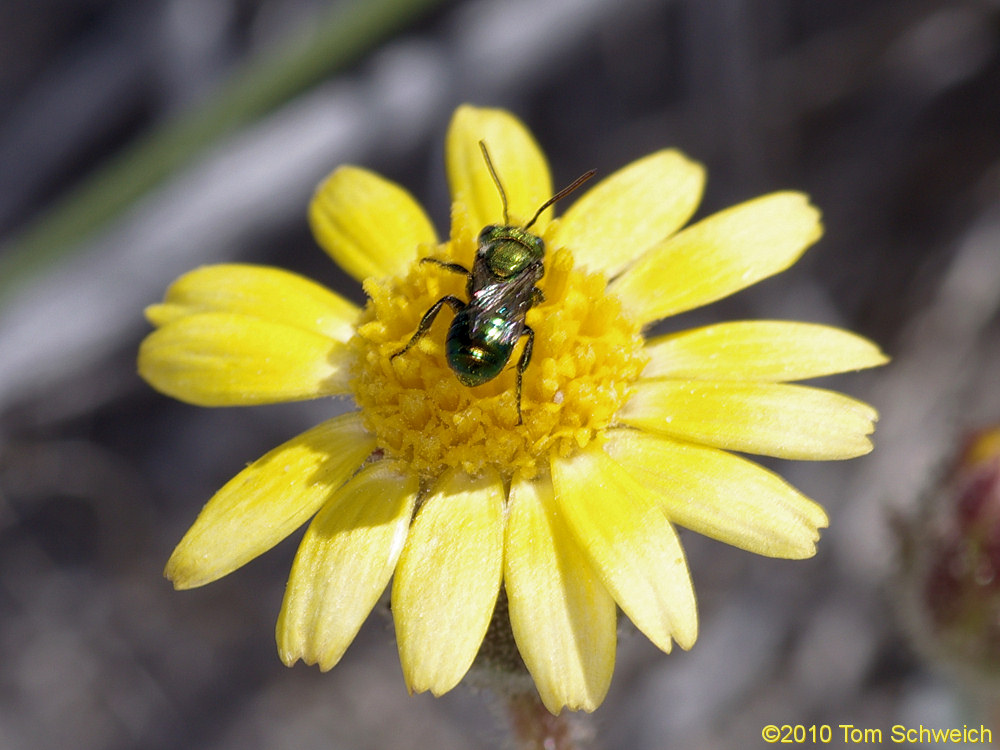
951, 557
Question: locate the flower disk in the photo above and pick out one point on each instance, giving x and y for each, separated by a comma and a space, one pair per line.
585, 359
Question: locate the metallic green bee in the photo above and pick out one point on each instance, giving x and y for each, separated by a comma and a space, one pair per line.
501, 289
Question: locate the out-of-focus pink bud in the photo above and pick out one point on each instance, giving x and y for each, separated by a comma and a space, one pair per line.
951, 560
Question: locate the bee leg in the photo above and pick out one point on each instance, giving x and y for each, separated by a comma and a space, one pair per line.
522, 365
425, 322
456, 267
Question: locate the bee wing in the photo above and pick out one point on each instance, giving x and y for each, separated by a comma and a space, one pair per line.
508, 300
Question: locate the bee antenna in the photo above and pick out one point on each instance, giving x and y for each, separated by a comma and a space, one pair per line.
561, 194
496, 180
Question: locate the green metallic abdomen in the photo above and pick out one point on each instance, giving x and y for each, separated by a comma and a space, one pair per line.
477, 353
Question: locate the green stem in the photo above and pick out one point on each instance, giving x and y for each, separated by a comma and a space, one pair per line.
342, 35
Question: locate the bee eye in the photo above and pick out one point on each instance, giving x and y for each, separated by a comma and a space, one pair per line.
487, 233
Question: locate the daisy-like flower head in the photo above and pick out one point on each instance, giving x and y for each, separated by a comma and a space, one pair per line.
437, 486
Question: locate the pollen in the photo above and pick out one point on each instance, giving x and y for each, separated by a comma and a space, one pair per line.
586, 357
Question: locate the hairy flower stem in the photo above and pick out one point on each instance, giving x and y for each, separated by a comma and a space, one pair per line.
535, 728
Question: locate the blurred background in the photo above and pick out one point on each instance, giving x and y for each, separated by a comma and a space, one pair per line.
140, 138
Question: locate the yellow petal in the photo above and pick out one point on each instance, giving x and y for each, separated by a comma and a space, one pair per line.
772, 419
562, 616
764, 350
517, 158
448, 579
268, 500
625, 214
630, 543
224, 359
719, 256
344, 564
369, 225
721, 495
257, 291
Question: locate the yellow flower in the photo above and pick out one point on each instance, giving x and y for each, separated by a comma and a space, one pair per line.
436, 485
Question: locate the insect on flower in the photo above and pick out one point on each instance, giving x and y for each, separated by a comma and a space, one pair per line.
572, 520
501, 289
